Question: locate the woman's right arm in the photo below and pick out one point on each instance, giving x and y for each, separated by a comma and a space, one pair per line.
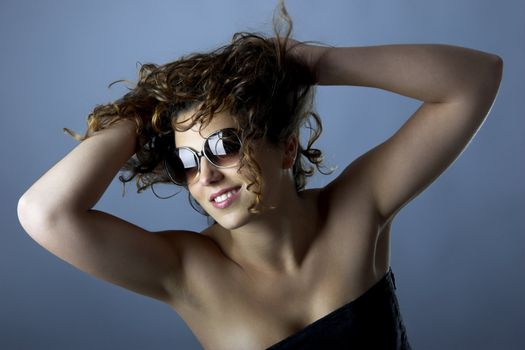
56, 211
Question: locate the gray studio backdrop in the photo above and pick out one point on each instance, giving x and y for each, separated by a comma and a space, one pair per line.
457, 249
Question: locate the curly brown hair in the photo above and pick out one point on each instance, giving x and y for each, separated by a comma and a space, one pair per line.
268, 92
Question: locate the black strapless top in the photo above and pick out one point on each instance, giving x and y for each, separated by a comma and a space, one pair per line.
372, 321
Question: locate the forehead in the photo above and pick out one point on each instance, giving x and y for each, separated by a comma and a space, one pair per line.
192, 138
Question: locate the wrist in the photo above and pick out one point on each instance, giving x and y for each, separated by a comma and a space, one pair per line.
311, 56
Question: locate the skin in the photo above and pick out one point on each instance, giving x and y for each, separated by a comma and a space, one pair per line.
260, 278
268, 240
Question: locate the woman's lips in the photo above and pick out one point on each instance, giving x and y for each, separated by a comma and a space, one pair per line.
224, 190
227, 198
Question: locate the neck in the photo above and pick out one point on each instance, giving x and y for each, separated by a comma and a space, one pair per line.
276, 240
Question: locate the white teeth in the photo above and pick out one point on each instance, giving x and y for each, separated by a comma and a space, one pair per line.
223, 197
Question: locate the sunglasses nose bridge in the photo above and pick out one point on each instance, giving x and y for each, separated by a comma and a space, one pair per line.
222, 150
208, 172
200, 156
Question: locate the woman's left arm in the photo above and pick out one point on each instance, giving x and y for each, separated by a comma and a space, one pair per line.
457, 86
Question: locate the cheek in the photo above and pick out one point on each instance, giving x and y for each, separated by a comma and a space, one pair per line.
242, 174
195, 194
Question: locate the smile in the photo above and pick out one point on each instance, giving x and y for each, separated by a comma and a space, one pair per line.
226, 199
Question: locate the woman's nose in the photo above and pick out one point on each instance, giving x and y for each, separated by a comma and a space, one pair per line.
208, 173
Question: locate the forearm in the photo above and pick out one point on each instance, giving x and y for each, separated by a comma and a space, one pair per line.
433, 73
77, 181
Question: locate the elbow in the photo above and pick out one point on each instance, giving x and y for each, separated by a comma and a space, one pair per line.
497, 68
32, 217
494, 74
488, 88
24, 213
486, 80
481, 81
497, 62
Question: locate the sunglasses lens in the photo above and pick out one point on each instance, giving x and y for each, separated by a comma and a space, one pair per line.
223, 147
183, 166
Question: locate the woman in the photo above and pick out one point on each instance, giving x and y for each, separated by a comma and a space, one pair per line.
282, 266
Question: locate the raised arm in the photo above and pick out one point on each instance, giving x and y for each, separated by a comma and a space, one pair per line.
457, 85
56, 211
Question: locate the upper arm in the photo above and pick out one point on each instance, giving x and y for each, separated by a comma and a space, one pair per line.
114, 250
397, 170
422, 149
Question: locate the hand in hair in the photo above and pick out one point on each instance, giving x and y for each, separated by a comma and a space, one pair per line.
306, 53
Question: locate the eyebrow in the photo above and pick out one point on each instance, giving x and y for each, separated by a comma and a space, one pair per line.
203, 138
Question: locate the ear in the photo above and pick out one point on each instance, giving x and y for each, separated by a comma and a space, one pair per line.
290, 151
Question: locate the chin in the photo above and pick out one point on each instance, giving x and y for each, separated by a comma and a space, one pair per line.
232, 221
233, 217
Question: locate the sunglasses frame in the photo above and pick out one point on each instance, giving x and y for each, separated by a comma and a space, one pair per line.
200, 154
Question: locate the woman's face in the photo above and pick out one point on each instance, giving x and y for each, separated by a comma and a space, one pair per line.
222, 192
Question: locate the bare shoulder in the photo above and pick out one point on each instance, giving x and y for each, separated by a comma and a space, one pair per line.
192, 244
357, 235
348, 194
199, 254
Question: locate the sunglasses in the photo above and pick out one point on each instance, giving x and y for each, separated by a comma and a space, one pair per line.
222, 149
